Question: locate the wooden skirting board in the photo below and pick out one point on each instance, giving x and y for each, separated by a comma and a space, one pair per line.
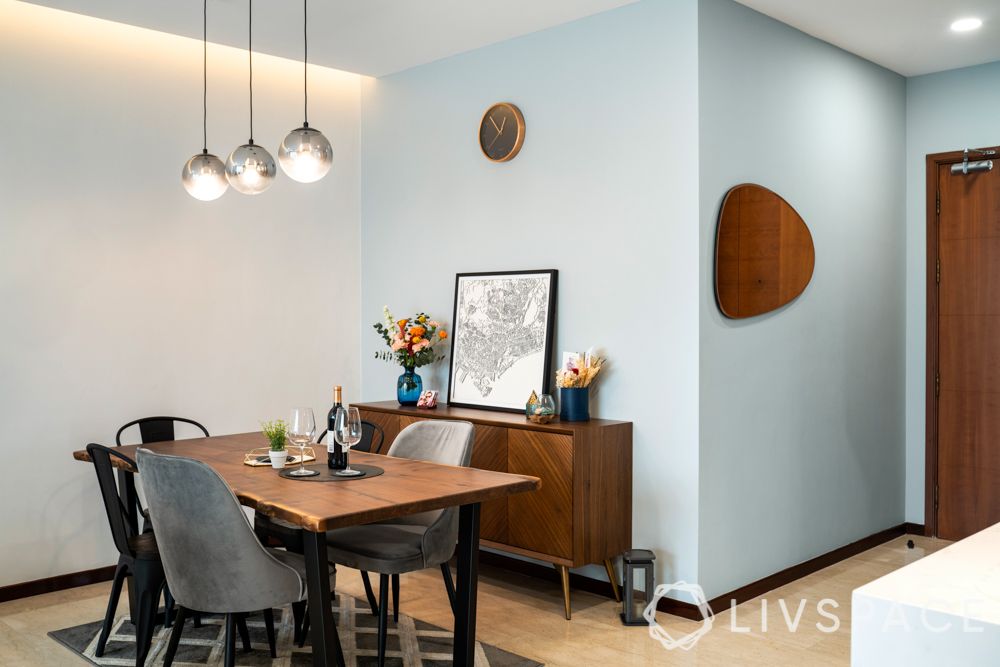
57, 583
721, 603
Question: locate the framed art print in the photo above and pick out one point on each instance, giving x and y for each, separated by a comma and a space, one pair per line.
501, 344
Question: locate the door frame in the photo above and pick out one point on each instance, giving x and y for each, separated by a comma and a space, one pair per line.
934, 163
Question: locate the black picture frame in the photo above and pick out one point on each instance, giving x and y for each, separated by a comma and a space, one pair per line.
542, 380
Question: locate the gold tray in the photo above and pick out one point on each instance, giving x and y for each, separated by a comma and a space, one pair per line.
254, 456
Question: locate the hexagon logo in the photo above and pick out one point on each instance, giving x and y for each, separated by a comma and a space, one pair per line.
660, 634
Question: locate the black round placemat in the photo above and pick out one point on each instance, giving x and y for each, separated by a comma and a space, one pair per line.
326, 475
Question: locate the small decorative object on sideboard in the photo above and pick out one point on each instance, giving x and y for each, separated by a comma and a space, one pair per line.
638, 567
411, 344
529, 407
428, 400
543, 411
578, 372
276, 432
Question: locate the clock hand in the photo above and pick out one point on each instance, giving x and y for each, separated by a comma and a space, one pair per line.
503, 124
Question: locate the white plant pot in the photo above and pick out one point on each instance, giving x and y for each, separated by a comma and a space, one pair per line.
278, 458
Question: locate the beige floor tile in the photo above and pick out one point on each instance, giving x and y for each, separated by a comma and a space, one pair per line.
524, 615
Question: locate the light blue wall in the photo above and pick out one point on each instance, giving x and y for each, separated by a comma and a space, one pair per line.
945, 112
802, 410
605, 190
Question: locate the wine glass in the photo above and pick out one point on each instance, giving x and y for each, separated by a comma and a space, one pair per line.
347, 431
301, 429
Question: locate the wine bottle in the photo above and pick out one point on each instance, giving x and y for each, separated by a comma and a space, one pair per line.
336, 455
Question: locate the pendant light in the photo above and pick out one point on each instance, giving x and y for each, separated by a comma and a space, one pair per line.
204, 175
250, 168
305, 154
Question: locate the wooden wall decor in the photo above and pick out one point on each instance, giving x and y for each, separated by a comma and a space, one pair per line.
764, 254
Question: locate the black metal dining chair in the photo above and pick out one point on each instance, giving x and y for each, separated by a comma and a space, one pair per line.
275, 531
151, 429
372, 438
138, 556
157, 429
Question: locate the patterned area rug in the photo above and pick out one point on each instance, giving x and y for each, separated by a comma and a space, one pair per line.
411, 643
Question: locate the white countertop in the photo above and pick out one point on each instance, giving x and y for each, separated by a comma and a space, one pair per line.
962, 579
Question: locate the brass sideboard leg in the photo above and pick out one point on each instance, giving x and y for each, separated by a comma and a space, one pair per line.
564, 575
609, 565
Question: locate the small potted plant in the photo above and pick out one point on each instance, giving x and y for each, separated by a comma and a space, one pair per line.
276, 432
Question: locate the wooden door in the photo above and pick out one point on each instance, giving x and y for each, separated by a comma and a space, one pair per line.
967, 380
542, 521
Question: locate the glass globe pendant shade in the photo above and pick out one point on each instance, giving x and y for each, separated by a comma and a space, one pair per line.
204, 177
250, 169
305, 155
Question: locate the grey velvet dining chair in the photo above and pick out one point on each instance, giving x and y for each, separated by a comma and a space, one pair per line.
409, 543
212, 558
155, 429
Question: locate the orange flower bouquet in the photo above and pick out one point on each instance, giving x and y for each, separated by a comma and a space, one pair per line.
412, 342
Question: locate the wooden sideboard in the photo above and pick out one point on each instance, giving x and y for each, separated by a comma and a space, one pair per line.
582, 513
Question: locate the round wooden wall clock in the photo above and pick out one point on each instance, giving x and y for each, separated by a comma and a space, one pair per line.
501, 132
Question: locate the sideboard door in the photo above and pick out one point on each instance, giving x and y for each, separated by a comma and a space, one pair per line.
542, 521
389, 424
490, 453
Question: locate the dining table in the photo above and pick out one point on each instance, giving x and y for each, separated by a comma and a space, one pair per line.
406, 487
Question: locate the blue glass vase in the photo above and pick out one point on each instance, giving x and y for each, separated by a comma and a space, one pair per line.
409, 386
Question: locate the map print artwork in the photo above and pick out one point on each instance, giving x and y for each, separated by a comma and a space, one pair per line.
501, 338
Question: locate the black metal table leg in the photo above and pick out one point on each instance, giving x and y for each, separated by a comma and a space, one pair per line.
468, 578
326, 649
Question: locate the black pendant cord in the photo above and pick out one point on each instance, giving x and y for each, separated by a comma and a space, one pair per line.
204, 77
250, 49
305, 63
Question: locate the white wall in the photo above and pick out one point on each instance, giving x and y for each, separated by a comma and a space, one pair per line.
801, 409
604, 190
122, 296
945, 112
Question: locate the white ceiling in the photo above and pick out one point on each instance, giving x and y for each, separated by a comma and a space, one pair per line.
374, 37
908, 36
378, 37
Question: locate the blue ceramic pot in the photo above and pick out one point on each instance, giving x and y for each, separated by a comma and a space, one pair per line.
409, 386
574, 404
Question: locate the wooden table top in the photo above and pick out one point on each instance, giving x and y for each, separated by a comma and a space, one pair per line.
407, 487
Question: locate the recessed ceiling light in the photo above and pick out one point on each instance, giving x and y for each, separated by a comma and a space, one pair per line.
965, 25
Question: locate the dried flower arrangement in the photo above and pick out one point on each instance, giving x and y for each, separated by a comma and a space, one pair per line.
579, 370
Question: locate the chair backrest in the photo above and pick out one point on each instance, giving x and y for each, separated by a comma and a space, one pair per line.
212, 559
372, 437
438, 441
156, 429
119, 517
